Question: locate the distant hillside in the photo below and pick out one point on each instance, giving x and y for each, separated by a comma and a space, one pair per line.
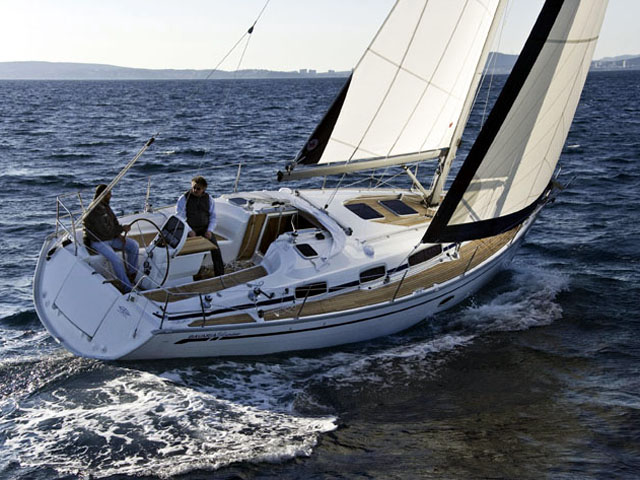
498, 63
90, 71
619, 57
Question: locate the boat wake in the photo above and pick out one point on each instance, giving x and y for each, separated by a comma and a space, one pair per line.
106, 419
80, 416
527, 300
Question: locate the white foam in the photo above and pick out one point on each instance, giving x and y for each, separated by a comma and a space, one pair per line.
142, 424
530, 301
201, 417
417, 357
211, 415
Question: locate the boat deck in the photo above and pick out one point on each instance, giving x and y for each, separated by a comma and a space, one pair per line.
471, 255
215, 284
423, 214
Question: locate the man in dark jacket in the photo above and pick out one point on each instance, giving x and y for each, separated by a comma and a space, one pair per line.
197, 207
103, 233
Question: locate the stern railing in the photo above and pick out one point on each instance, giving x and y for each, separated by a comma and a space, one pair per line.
66, 220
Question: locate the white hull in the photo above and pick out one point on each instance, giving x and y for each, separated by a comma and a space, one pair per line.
92, 318
324, 331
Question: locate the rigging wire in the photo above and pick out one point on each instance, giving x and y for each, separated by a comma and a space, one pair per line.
246, 35
216, 68
491, 68
335, 191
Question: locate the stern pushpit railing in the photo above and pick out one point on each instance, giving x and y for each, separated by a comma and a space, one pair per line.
66, 220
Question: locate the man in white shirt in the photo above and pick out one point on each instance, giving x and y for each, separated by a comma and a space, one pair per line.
197, 207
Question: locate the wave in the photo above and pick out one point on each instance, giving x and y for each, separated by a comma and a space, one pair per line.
141, 423
157, 168
528, 300
70, 156
172, 421
18, 318
192, 152
46, 180
89, 144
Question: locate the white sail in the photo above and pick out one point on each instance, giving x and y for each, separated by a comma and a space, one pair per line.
407, 93
512, 162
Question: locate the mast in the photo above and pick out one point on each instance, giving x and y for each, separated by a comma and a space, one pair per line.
445, 162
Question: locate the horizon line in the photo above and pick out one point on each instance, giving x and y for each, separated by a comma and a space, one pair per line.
298, 70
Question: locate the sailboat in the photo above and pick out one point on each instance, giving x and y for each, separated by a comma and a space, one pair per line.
317, 268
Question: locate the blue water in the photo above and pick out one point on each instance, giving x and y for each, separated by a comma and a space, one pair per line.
537, 376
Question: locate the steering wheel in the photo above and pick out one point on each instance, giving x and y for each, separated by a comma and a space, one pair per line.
161, 243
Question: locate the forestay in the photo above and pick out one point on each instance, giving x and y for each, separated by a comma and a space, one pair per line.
406, 94
513, 159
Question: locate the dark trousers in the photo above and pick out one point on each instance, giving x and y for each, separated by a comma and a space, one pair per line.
216, 256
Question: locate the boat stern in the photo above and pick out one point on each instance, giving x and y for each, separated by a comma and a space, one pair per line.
81, 309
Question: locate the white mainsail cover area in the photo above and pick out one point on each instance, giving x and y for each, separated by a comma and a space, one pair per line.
513, 159
407, 93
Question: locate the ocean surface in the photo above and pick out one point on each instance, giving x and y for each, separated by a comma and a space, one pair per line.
536, 376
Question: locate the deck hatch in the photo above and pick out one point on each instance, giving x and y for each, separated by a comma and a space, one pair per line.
364, 211
239, 201
306, 250
398, 207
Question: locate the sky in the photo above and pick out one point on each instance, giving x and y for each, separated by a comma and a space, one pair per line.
196, 34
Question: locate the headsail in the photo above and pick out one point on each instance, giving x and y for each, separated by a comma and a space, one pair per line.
513, 159
407, 93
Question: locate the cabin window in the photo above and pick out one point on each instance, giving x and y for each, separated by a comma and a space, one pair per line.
306, 250
373, 274
398, 207
238, 201
424, 255
364, 211
311, 290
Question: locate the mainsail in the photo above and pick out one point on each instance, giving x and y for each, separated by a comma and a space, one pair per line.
510, 165
407, 94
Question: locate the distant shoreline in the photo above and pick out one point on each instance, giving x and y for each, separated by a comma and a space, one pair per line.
498, 63
89, 71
